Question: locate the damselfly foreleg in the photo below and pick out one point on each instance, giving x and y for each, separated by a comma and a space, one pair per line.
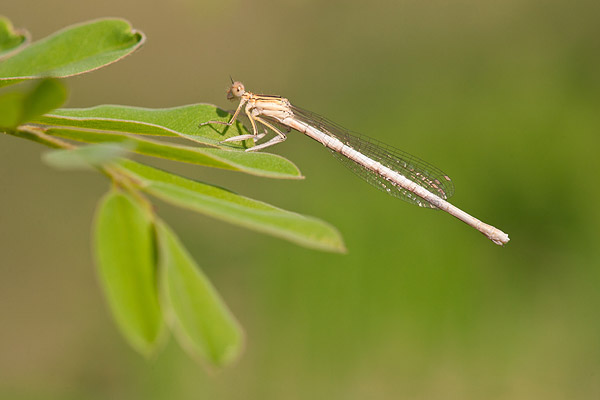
231, 121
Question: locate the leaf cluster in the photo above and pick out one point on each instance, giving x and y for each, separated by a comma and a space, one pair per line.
151, 282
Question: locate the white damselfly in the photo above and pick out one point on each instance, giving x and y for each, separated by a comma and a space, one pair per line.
387, 168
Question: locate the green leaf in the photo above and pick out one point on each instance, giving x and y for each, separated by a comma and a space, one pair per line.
261, 164
10, 38
18, 107
180, 121
198, 316
85, 157
11, 109
238, 210
46, 96
124, 242
72, 51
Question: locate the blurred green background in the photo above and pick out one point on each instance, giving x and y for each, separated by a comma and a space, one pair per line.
504, 96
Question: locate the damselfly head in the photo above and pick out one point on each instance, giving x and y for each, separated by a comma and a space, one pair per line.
236, 90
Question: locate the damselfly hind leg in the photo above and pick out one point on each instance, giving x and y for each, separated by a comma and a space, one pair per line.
237, 138
275, 140
244, 137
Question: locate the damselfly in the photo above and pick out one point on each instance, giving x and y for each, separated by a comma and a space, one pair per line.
387, 168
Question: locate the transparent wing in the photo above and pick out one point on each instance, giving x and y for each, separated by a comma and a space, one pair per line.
413, 168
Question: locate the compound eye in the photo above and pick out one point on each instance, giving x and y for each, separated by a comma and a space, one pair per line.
239, 89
